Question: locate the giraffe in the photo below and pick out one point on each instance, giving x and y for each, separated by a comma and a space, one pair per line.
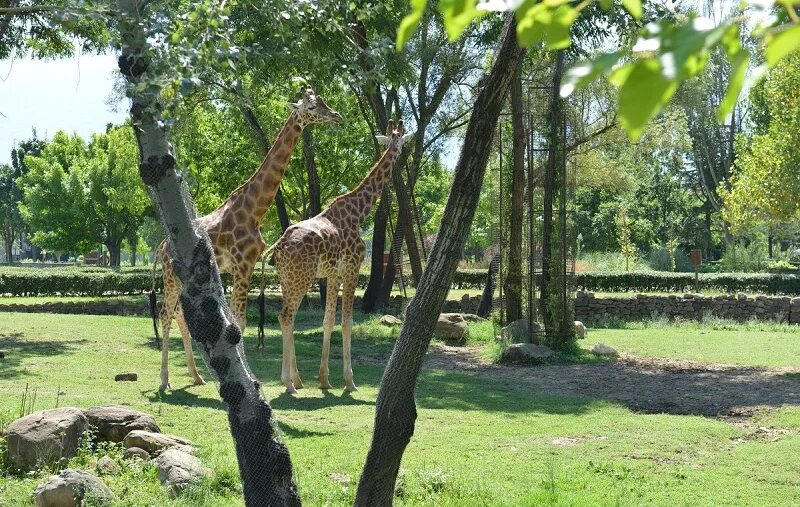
234, 227
329, 246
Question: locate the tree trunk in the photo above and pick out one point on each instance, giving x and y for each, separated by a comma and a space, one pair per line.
264, 462
114, 248
395, 411
405, 217
513, 283
264, 145
485, 305
371, 295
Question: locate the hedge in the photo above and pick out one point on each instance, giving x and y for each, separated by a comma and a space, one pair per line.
99, 281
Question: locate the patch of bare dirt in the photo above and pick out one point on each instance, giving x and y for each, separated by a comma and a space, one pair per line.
649, 385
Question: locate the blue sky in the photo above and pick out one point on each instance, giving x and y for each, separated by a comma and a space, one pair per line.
69, 94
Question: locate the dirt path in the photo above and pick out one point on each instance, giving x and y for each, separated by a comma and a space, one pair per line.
643, 384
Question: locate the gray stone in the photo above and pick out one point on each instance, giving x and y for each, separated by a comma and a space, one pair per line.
520, 330
114, 423
136, 453
178, 469
741, 296
73, 488
3, 354
107, 466
471, 317
525, 353
452, 327
601, 349
126, 377
390, 320
580, 330
44, 437
153, 443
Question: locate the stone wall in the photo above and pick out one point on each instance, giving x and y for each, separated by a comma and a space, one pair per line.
592, 310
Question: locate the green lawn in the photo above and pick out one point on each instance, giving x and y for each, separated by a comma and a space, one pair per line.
752, 344
478, 441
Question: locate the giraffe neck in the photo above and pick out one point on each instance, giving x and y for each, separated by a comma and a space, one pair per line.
355, 205
257, 193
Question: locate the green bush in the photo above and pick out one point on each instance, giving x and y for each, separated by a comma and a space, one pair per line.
656, 281
739, 257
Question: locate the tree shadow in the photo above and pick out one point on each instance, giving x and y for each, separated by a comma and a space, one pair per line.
19, 351
292, 432
184, 397
289, 402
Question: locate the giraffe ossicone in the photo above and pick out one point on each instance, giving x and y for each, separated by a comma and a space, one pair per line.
329, 245
234, 228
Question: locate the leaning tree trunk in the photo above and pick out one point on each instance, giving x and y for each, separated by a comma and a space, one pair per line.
513, 282
264, 462
314, 192
487, 297
370, 302
395, 409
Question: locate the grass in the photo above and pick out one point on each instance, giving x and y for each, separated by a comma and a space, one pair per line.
478, 440
755, 343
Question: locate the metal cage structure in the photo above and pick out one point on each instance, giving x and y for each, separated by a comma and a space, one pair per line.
548, 239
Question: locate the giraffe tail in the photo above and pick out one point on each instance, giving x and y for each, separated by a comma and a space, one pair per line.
152, 296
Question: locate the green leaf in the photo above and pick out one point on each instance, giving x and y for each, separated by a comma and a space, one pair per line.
643, 93
457, 15
410, 22
780, 45
735, 84
634, 7
585, 72
606, 4
530, 23
557, 34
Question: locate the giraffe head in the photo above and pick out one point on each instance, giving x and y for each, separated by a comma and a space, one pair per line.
395, 137
312, 109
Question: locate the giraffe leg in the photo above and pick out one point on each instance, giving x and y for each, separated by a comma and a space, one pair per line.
289, 363
187, 347
171, 291
241, 286
327, 326
348, 291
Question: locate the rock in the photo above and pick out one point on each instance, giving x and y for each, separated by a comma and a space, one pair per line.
178, 469
153, 443
126, 377
601, 349
452, 327
741, 296
520, 330
525, 353
3, 354
136, 452
107, 466
390, 320
44, 437
114, 423
73, 488
580, 329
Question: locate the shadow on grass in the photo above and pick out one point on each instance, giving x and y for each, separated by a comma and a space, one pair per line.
19, 350
328, 399
184, 397
292, 432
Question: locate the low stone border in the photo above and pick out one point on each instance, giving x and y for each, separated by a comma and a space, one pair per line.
593, 310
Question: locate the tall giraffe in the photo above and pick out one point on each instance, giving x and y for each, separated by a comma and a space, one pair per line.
329, 245
234, 227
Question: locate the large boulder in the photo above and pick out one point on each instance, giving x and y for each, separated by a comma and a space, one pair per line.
452, 327
154, 443
601, 349
73, 488
580, 330
525, 353
114, 423
44, 437
178, 469
520, 331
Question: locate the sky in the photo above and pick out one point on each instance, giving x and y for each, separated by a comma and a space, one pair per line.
69, 94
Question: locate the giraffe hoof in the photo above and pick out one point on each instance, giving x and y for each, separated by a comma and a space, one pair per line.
199, 381
291, 390
350, 388
325, 386
164, 387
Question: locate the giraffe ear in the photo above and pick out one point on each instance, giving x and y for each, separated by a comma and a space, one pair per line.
382, 140
408, 136
292, 106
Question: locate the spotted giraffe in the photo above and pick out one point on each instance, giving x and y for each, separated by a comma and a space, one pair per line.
234, 227
329, 245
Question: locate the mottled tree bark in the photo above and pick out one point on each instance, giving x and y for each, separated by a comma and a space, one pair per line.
513, 282
395, 410
264, 462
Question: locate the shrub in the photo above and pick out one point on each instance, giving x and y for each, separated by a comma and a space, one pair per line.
654, 281
739, 257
